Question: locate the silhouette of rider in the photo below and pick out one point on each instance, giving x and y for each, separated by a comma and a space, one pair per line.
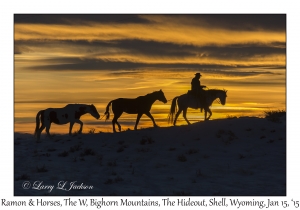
196, 85
197, 88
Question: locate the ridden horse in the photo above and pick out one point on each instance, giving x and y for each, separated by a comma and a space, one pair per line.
140, 105
71, 113
188, 100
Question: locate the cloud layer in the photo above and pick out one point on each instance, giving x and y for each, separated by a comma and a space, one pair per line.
122, 42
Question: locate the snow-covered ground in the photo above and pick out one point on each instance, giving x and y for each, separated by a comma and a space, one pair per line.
241, 156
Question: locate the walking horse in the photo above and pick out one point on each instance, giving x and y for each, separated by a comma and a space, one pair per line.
71, 113
188, 100
140, 105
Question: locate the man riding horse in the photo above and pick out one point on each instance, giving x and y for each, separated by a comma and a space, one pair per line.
197, 89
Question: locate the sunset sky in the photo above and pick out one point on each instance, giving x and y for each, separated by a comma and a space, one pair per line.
93, 59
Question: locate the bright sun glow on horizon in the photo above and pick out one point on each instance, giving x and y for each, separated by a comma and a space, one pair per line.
248, 101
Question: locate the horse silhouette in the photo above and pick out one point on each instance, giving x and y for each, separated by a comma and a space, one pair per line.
140, 105
188, 100
71, 113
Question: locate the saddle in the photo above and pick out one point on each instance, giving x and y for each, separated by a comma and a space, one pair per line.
195, 95
190, 92
200, 97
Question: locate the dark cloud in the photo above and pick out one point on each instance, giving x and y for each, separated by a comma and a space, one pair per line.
164, 49
22, 48
17, 50
248, 22
241, 51
78, 19
152, 48
76, 64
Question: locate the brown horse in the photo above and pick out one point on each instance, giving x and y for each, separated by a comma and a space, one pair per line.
140, 105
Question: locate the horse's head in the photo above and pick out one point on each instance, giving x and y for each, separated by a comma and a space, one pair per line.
222, 96
93, 111
161, 96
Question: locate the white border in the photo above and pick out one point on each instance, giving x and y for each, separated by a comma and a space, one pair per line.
8, 8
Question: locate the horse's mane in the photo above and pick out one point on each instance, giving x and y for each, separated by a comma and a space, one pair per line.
152, 93
149, 94
215, 89
213, 94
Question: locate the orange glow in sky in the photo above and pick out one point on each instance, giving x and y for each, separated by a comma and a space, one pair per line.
93, 59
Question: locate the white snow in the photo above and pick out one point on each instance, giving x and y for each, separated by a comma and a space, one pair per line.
242, 156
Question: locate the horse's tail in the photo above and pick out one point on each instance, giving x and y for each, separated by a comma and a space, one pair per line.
37, 120
173, 110
107, 110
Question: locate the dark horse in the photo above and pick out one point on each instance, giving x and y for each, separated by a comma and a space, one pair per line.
188, 100
71, 113
140, 105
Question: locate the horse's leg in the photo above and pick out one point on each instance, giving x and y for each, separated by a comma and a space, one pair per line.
48, 125
40, 131
119, 126
81, 125
113, 124
184, 116
210, 113
71, 127
150, 116
114, 121
176, 116
137, 120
